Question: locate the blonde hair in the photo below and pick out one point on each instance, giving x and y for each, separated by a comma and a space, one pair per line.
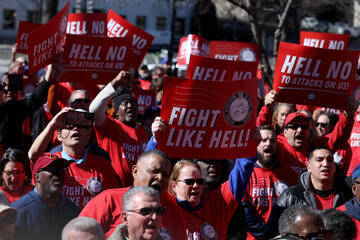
176, 172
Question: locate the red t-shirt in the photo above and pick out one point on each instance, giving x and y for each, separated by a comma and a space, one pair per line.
106, 208
213, 217
86, 180
12, 197
323, 203
354, 142
124, 145
265, 187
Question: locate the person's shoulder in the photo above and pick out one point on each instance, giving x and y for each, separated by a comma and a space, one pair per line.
25, 201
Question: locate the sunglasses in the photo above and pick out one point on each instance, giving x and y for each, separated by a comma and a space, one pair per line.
147, 211
80, 100
191, 181
296, 126
323, 125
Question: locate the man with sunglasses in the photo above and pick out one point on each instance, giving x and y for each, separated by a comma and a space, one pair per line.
89, 174
44, 211
142, 215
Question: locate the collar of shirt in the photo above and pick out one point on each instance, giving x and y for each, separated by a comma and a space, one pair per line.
77, 161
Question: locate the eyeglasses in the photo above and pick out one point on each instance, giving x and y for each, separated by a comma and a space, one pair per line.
70, 127
321, 235
296, 126
80, 100
356, 182
323, 125
191, 181
13, 173
147, 211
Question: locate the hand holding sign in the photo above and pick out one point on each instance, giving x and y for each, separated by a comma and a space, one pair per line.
123, 79
351, 106
270, 98
157, 128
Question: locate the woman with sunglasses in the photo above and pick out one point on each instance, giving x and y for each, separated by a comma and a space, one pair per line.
206, 215
15, 174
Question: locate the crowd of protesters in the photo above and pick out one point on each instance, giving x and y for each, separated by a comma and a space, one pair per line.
78, 161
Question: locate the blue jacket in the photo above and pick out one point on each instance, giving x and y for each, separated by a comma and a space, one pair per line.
35, 221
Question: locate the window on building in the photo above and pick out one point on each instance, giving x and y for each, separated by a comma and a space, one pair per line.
180, 26
33, 16
9, 19
160, 23
141, 22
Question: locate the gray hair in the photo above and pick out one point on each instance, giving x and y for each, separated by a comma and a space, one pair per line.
83, 224
287, 221
75, 92
128, 196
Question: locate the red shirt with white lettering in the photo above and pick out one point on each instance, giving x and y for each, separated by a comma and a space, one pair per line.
354, 142
265, 187
86, 180
106, 208
124, 145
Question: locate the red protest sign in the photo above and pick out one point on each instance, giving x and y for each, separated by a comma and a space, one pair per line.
208, 120
25, 28
145, 98
141, 40
46, 42
94, 59
314, 76
87, 24
324, 40
192, 45
235, 51
210, 69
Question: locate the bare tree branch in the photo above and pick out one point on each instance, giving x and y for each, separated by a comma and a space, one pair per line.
280, 26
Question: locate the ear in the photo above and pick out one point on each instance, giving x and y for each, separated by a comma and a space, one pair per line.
134, 171
308, 167
37, 177
124, 216
173, 185
353, 188
58, 135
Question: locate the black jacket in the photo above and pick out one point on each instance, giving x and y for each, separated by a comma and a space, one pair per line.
303, 194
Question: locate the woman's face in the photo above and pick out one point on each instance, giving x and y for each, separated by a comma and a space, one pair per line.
192, 192
14, 176
282, 114
322, 125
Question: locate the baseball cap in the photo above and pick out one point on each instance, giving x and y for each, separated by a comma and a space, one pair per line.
356, 173
295, 115
47, 160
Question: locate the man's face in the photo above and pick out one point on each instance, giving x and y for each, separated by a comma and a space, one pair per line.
7, 95
321, 165
307, 225
51, 179
211, 170
139, 226
355, 187
17, 68
14, 176
153, 171
297, 132
322, 125
282, 114
74, 136
127, 111
80, 101
266, 147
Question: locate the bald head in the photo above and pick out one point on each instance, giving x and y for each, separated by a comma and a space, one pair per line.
83, 228
152, 169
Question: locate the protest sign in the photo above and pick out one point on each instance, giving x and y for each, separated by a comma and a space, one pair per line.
314, 76
145, 98
141, 40
210, 69
192, 45
208, 120
46, 41
324, 40
25, 28
93, 24
235, 51
94, 59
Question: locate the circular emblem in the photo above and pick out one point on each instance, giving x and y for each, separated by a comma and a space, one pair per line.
208, 231
94, 186
238, 109
165, 234
94, 76
311, 96
248, 55
280, 186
